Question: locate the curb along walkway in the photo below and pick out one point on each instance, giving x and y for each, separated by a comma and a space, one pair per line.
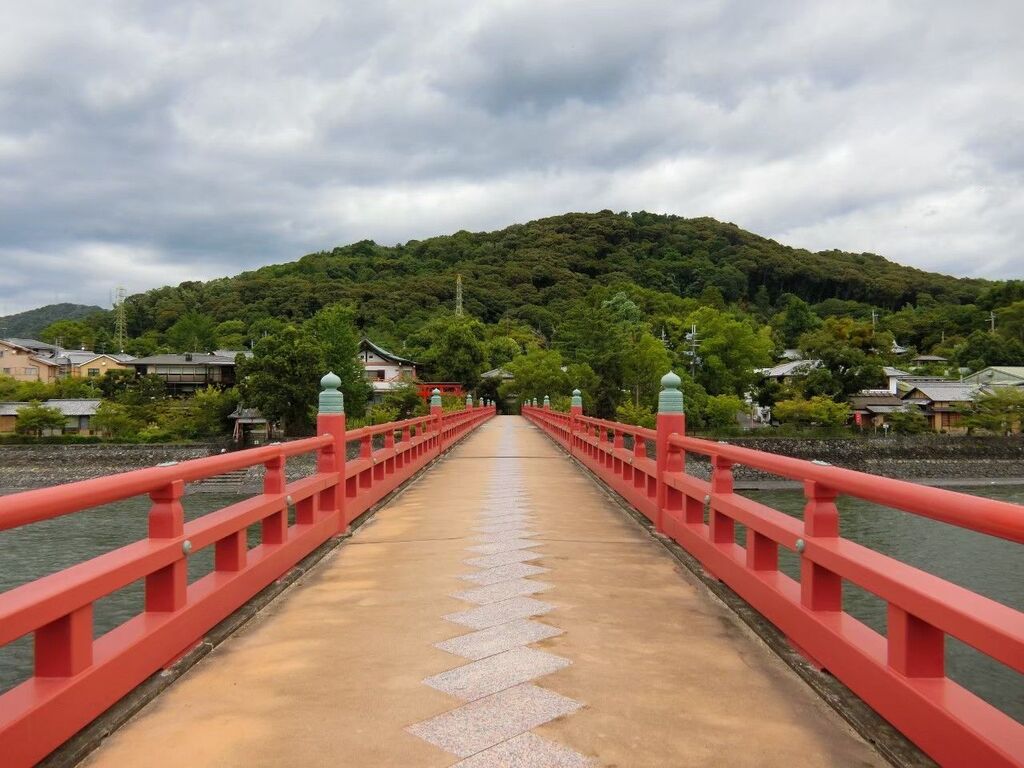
500, 612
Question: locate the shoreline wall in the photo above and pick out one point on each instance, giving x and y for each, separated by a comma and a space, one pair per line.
924, 457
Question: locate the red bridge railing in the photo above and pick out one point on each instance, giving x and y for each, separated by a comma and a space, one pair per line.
900, 674
76, 677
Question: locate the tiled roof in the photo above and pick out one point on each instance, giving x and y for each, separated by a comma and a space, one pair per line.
793, 368
946, 391
195, 358
31, 344
381, 352
76, 407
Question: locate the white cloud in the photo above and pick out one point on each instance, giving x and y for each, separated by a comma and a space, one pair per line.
159, 143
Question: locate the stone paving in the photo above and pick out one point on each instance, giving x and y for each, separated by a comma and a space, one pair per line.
492, 730
501, 611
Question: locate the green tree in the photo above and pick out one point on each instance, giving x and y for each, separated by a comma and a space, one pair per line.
646, 361
193, 332
282, 379
633, 413
537, 373
405, 401
731, 348
818, 410
795, 320
500, 350
116, 420
721, 411
909, 422
231, 335
1000, 411
451, 349
35, 418
72, 334
334, 329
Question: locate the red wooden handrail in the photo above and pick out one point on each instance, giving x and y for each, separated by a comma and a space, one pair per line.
900, 674
75, 677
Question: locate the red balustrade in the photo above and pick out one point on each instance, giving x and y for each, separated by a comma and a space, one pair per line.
75, 677
900, 674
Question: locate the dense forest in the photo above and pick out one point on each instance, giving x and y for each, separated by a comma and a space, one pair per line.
30, 324
603, 301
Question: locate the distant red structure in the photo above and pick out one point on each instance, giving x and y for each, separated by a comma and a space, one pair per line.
427, 388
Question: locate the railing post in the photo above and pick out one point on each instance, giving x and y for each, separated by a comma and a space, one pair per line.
437, 415
547, 403
166, 588
575, 411
671, 420
63, 648
330, 420
274, 527
820, 588
722, 530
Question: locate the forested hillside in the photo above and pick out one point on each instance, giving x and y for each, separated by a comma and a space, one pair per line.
530, 271
31, 323
605, 302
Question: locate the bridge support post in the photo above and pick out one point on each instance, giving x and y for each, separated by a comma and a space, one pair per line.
547, 403
330, 420
436, 416
671, 420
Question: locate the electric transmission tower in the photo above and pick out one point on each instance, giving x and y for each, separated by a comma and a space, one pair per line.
458, 296
120, 320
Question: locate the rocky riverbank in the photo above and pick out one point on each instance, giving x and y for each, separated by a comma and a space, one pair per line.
929, 458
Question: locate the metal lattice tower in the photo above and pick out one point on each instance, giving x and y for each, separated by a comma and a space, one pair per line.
458, 296
120, 320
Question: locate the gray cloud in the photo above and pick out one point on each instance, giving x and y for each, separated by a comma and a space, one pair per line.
153, 143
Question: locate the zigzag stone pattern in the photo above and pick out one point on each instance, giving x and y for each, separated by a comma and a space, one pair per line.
493, 728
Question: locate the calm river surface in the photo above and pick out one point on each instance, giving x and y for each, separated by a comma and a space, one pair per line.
989, 566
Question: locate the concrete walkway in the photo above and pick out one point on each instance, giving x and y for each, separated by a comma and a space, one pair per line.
500, 612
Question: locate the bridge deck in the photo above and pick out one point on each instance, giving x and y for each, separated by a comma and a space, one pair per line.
584, 645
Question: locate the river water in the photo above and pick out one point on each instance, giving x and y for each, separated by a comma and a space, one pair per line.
991, 567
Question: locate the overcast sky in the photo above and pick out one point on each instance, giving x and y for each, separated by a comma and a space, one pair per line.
146, 143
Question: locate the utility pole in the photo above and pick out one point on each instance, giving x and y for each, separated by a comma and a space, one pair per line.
874, 319
992, 320
693, 342
458, 296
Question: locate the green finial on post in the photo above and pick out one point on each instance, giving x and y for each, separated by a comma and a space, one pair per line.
469, 399
435, 398
670, 400
547, 401
331, 400
577, 399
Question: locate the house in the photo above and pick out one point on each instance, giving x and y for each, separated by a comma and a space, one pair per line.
38, 347
871, 407
24, 364
77, 412
383, 369
928, 360
82, 363
9, 415
894, 376
941, 402
998, 376
185, 373
251, 426
498, 373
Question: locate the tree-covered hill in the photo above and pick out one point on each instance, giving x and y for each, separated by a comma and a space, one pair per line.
604, 302
31, 323
529, 272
